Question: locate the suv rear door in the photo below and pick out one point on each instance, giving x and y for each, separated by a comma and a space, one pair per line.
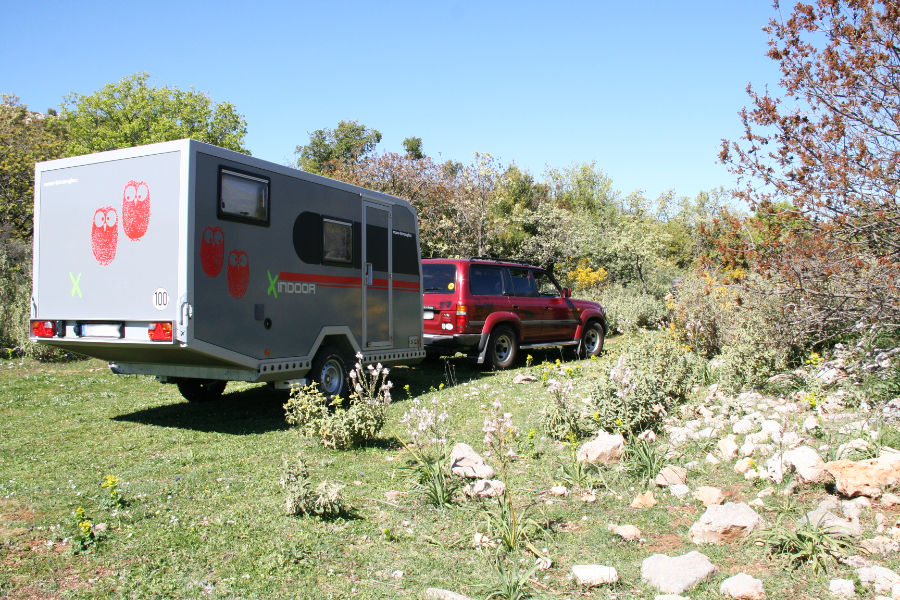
560, 315
525, 302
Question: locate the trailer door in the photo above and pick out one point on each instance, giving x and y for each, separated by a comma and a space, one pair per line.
377, 274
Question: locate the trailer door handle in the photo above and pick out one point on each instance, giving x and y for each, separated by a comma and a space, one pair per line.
369, 274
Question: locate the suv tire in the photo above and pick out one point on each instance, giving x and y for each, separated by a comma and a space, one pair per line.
592, 340
502, 347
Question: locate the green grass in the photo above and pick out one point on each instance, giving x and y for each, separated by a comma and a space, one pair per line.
205, 515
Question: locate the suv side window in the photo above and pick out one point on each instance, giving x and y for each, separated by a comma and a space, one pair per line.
546, 286
485, 281
522, 282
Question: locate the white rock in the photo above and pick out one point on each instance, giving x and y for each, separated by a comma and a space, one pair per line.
629, 533
806, 463
671, 475
791, 439
670, 597
439, 594
747, 448
825, 519
711, 459
743, 587
774, 469
485, 488
465, 462
811, 423
605, 449
709, 495
559, 490
679, 490
843, 588
723, 523
866, 477
881, 579
727, 447
880, 545
674, 575
743, 427
592, 575
890, 499
743, 465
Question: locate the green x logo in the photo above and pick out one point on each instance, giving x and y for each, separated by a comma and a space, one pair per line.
272, 291
76, 288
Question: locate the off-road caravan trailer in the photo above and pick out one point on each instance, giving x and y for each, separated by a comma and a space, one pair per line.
200, 265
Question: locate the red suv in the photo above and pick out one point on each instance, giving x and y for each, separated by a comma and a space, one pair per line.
492, 308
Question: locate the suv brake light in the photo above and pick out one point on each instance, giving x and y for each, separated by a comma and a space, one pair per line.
461, 319
43, 329
160, 331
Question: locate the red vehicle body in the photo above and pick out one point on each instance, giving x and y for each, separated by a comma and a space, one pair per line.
492, 308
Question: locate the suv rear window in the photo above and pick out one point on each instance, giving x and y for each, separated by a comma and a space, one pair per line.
439, 278
522, 283
485, 281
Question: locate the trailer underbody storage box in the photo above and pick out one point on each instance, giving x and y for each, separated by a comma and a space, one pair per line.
201, 265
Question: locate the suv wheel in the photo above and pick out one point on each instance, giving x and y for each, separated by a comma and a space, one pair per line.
502, 347
592, 340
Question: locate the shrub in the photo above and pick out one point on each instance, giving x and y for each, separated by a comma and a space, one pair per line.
325, 500
629, 309
346, 423
646, 380
561, 418
750, 362
15, 292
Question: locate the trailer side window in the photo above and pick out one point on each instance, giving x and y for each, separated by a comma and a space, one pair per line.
337, 242
243, 197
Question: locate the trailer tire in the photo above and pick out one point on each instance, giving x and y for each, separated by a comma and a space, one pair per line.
502, 347
201, 390
330, 373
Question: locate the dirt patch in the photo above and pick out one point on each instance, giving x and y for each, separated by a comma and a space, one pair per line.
15, 520
664, 542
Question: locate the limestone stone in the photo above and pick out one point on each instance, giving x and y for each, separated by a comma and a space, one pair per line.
485, 488
629, 533
806, 463
727, 447
465, 462
709, 495
723, 523
743, 587
843, 588
605, 449
593, 575
645, 500
880, 579
866, 477
674, 575
439, 594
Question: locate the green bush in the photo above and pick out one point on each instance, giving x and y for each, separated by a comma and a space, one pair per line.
749, 363
629, 309
15, 294
644, 382
562, 417
345, 423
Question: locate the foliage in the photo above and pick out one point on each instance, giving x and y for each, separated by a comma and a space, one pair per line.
131, 112
349, 142
573, 471
818, 163
643, 458
500, 434
512, 527
26, 137
115, 499
413, 147
15, 292
346, 423
629, 309
807, 544
86, 534
511, 583
325, 500
649, 377
432, 475
562, 418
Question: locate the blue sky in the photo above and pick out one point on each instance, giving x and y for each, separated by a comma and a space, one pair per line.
646, 91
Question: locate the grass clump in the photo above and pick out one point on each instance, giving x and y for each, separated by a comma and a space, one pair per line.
345, 423
808, 544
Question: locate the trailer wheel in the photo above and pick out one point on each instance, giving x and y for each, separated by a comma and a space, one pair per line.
201, 390
329, 372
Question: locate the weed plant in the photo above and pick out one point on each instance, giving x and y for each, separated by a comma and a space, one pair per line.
809, 544
511, 583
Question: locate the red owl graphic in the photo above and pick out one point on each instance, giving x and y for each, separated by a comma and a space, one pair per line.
105, 234
135, 209
238, 273
212, 250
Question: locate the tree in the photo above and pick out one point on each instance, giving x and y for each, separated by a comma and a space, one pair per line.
828, 148
350, 142
131, 112
413, 146
26, 137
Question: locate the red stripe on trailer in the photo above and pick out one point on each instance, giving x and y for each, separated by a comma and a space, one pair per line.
338, 281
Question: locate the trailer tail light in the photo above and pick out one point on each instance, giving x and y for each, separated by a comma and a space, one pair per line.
43, 329
160, 331
461, 318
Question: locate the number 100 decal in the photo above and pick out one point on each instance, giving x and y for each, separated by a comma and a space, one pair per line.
160, 299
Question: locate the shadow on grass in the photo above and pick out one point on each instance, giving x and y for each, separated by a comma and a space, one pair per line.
244, 412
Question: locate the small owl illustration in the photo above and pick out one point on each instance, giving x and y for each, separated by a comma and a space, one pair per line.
135, 209
238, 273
212, 250
105, 234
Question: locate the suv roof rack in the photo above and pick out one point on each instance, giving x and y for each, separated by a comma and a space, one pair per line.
497, 259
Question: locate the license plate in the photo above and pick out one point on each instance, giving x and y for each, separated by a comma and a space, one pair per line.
428, 315
104, 330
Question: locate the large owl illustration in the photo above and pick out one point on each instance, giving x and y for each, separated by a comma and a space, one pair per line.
238, 273
212, 250
135, 209
105, 234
